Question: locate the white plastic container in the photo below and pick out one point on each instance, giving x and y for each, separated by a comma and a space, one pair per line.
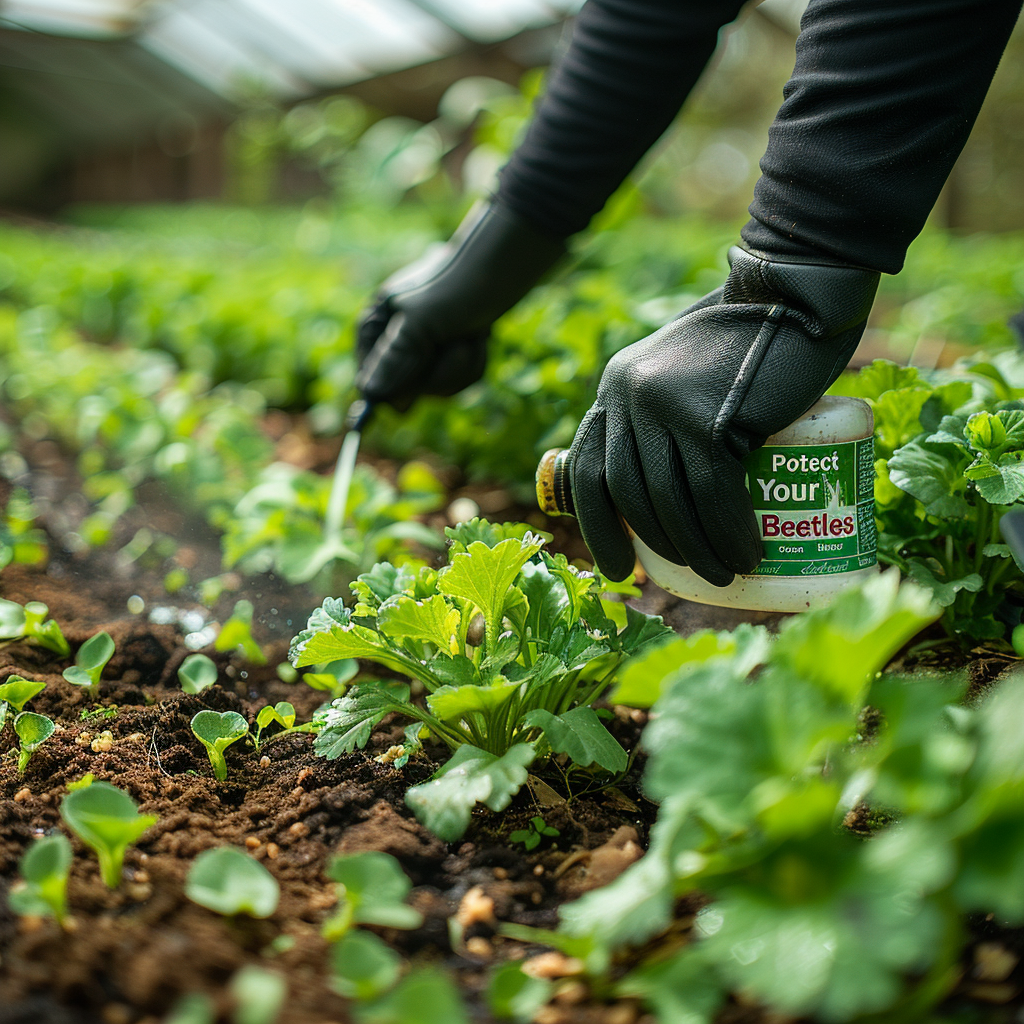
813, 490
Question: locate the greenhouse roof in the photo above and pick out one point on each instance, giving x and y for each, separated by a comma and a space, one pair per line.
291, 50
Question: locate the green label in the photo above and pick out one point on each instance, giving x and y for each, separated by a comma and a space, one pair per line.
815, 504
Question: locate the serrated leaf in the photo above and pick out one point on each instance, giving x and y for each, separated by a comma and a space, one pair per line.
462, 535
444, 803
483, 575
580, 734
383, 581
641, 631
343, 642
432, 620
351, 719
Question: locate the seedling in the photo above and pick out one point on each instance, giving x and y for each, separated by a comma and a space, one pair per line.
197, 673
3, 713
531, 837
33, 730
86, 780
31, 623
236, 635
229, 882
258, 993
43, 887
372, 888
107, 820
18, 691
282, 713
89, 663
217, 730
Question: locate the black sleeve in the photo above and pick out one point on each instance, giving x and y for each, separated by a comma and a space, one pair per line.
629, 66
881, 102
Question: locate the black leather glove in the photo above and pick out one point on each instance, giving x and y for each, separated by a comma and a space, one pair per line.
678, 411
427, 331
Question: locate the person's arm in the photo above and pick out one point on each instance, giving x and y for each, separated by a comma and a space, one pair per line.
628, 67
882, 99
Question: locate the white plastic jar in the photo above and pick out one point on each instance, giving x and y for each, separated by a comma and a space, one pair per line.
812, 485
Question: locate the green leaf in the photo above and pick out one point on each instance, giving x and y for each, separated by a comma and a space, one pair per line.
873, 380
32, 730
641, 680
351, 719
841, 647
999, 483
991, 878
259, 995
515, 995
217, 730
483, 575
943, 591
228, 881
282, 713
462, 535
364, 967
452, 703
382, 582
681, 989
444, 803
18, 691
580, 734
107, 820
236, 635
432, 620
641, 631
44, 870
197, 673
12, 620
375, 887
343, 642
932, 478
423, 997
45, 632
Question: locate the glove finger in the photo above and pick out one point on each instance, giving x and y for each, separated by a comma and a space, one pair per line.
673, 496
457, 367
599, 521
629, 492
725, 510
371, 327
393, 365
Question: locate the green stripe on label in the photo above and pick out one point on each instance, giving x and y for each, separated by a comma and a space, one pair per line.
815, 505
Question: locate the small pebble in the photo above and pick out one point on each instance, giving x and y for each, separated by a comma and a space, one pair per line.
103, 743
138, 737
479, 946
552, 965
535, 897
22, 795
476, 908
304, 774
297, 792
45, 797
141, 877
501, 874
140, 892
252, 842
83, 739
538, 869
992, 961
264, 761
273, 850
572, 994
299, 829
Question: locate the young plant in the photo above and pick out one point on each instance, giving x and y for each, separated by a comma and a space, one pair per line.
43, 887
282, 713
333, 677
531, 837
949, 467
18, 691
197, 673
258, 995
90, 660
33, 731
549, 648
229, 882
236, 635
107, 820
217, 730
29, 621
372, 888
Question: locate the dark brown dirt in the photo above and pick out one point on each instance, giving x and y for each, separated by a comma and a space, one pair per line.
131, 952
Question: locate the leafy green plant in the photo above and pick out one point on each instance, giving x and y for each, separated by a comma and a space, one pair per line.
372, 888
756, 765
29, 621
42, 889
197, 673
533, 836
20, 541
33, 731
949, 468
90, 660
426, 996
548, 650
333, 677
282, 713
217, 730
229, 882
18, 691
236, 635
107, 820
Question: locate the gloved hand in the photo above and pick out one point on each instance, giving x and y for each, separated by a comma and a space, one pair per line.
427, 331
677, 412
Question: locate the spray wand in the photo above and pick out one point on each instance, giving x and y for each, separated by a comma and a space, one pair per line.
358, 415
